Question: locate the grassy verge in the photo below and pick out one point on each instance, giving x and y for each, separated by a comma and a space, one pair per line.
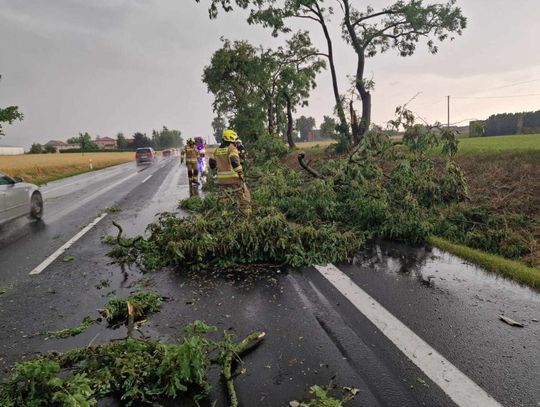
509, 268
43, 168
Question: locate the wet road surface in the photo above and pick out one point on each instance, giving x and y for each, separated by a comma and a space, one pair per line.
315, 335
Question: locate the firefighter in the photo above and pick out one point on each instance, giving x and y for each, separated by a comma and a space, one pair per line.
241, 149
191, 154
230, 176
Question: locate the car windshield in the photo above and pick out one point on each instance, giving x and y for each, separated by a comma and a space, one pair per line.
5, 180
144, 150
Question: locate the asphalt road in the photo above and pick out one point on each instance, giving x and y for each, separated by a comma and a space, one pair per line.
406, 326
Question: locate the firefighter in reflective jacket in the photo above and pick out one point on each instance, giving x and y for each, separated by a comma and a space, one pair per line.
226, 161
191, 155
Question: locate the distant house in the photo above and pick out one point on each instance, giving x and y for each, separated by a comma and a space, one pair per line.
9, 150
106, 143
61, 146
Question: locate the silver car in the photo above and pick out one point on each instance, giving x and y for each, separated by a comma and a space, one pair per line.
18, 198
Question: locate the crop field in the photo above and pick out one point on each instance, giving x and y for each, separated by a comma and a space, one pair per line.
42, 168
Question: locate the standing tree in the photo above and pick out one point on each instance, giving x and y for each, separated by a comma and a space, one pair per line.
218, 125
400, 26
328, 128
49, 149
297, 67
169, 138
253, 86
121, 141
239, 81
8, 115
84, 140
304, 125
141, 140
36, 148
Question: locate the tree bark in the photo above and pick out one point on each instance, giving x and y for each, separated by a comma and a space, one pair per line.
344, 126
270, 119
359, 80
289, 122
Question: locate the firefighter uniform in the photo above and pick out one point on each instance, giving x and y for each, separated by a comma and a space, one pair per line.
226, 161
191, 155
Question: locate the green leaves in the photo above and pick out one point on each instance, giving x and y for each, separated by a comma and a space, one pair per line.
137, 372
144, 302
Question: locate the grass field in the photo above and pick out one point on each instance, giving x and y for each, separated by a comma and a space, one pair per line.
470, 145
487, 145
42, 168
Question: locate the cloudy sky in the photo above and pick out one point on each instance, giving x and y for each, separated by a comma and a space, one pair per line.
109, 66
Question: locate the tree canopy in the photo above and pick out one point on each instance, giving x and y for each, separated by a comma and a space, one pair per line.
258, 89
369, 31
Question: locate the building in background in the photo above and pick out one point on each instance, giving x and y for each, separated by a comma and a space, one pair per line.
9, 150
61, 146
106, 143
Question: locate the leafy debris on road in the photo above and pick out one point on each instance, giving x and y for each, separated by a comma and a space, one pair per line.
510, 321
103, 284
67, 259
114, 209
4, 290
135, 371
86, 323
116, 311
321, 397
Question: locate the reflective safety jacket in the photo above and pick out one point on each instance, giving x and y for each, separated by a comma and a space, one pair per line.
191, 154
226, 161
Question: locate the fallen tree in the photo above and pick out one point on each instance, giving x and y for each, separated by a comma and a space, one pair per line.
299, 218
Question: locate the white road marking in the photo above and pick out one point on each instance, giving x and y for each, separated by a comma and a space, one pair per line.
462, 390
146, 179
66, 246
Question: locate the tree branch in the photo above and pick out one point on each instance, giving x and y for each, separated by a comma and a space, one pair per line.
303, 164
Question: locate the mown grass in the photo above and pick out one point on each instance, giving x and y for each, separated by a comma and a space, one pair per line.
509, 268
42, 168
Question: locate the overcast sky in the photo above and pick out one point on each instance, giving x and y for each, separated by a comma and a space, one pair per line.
109, 66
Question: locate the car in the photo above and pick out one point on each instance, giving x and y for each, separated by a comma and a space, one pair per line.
145, 155
18, 198
166, 153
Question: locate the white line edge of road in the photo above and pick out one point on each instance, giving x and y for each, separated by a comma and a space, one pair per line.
147, 178
67, 245
462, 390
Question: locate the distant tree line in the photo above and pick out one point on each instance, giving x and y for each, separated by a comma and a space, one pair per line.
161, 139
512, 123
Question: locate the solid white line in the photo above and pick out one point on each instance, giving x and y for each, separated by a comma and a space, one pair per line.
66, 246
147, 178
462, 390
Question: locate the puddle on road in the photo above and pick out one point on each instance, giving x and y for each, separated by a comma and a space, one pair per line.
436, 268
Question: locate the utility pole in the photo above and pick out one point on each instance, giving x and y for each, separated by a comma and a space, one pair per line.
448, 104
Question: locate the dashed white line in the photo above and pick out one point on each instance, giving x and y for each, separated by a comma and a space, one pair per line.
462, 390
146, 179
66, 246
